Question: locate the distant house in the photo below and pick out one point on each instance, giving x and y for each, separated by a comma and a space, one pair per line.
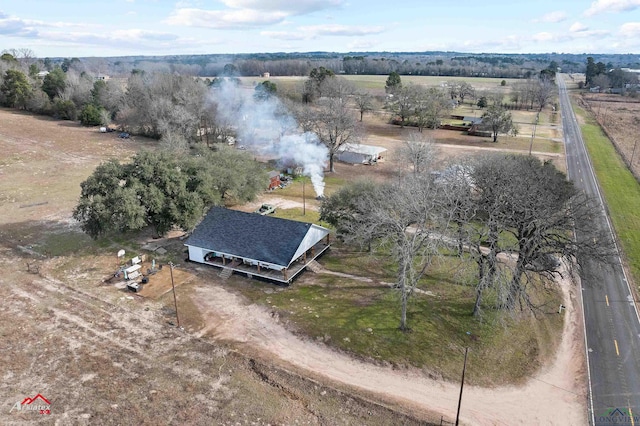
43, 74
262, 246
472, 120
102, 77
478, 128
360, 154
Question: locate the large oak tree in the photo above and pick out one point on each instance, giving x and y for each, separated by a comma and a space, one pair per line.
165, 189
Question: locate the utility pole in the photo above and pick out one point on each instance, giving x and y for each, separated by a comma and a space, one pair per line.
175, 300
464, 367
533, 134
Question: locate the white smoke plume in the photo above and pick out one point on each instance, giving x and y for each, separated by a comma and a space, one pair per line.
267, 128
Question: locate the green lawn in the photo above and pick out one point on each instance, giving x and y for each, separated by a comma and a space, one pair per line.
620, 190
362, 318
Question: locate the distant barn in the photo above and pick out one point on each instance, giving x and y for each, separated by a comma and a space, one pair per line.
274, 179
261, 246
360, 154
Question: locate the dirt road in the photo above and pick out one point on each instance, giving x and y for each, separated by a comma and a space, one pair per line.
555, 396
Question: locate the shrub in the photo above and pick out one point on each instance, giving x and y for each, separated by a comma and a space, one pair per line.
91, 115
65, 110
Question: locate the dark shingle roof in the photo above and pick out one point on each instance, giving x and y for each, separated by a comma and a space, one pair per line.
249, 235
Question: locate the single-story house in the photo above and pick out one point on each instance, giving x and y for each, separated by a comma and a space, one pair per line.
262, 246
360, 154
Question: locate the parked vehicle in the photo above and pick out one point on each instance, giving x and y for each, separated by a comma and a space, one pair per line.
266, 209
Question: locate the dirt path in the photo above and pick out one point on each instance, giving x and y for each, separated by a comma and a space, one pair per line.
555, 396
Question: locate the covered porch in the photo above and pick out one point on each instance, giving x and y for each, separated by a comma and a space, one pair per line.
252, 268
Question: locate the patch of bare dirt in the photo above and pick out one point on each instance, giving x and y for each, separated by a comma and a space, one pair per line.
278, 202
105, 356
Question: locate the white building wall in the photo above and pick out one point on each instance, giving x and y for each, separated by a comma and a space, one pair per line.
196, 254
353, 157
314, 235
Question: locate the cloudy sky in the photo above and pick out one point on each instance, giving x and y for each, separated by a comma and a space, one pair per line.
79, 28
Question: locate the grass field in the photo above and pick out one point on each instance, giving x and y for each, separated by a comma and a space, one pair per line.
359, 313
619, 188
375, 83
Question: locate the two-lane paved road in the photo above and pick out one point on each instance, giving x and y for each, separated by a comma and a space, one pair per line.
612, 326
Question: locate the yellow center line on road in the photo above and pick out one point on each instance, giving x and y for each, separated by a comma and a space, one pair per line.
615, 342
607, 299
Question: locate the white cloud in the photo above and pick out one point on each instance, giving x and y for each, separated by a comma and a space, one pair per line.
285, 35
543, 36
342, 30
556, 16
240, 18
247, 13
293, 7
630, 29
15, 27
603, 6
578, 27
314, 31
135, 37
577, 32
363, 44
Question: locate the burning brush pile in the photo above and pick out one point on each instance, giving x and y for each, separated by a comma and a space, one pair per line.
266, 129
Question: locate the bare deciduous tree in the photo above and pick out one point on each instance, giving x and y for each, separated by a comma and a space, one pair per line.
337, 87
417, 153
364, 103
544, 91
602, 81
160, 103
402, 103
430, 106
400, 217
516, 217
333, 122
498, 120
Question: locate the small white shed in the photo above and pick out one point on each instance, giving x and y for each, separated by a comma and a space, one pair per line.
360, 154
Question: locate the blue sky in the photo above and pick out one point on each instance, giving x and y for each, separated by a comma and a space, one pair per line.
81, 28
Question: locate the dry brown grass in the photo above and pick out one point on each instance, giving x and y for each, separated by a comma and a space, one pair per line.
620, 117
